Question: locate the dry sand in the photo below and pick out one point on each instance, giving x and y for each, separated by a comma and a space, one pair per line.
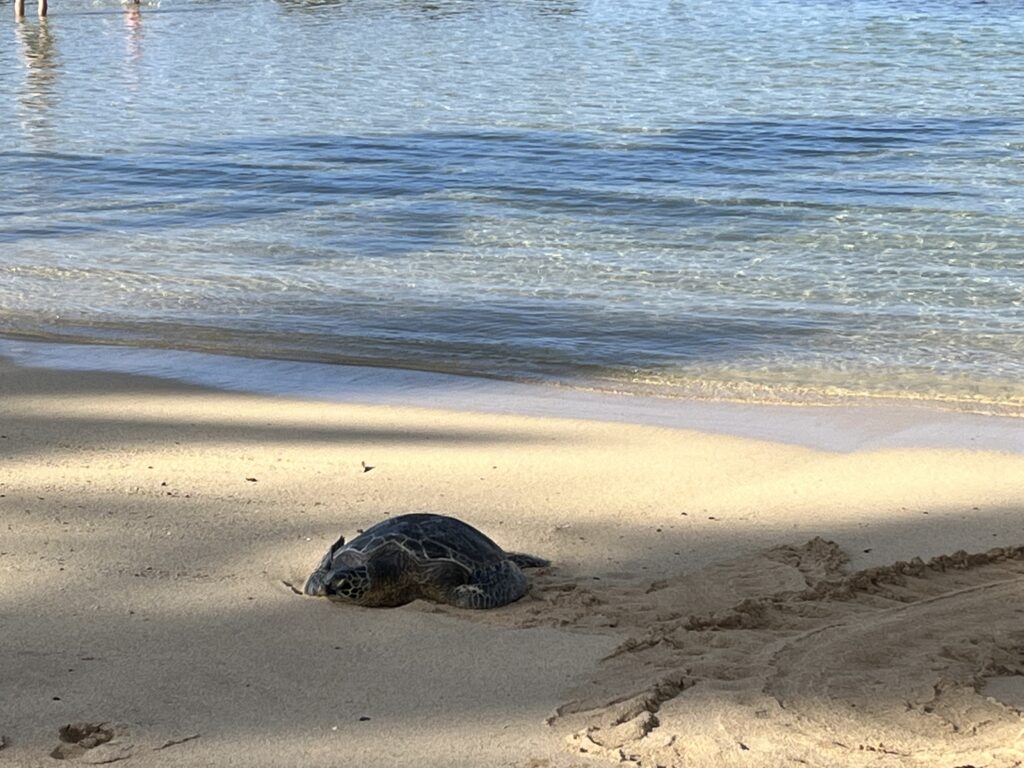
714, 600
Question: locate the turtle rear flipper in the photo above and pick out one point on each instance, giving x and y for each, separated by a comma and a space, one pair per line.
527, 561
499, 584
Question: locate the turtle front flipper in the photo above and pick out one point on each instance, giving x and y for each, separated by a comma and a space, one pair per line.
490, 587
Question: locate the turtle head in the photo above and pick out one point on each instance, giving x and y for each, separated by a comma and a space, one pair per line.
316, 584
342, 584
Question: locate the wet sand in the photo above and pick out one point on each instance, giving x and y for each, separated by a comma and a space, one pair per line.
713, 600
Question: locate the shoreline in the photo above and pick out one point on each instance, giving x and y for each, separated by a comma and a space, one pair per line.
150, 527
138, 356
841, 426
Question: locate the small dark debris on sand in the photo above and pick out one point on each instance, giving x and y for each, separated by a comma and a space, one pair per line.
175, 742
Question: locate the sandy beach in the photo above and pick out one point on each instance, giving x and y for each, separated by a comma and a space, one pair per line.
713, 599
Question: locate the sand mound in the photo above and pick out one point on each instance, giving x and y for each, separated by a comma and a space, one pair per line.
782, 658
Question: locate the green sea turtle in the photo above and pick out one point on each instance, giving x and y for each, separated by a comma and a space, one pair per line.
433, 557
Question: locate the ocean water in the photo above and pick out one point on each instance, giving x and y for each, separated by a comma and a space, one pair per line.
757, 200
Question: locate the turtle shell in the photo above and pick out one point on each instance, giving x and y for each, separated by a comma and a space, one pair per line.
428, 537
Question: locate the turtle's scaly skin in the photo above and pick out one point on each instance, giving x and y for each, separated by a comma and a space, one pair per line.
421, 556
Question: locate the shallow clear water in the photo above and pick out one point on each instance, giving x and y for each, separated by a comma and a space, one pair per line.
756, 199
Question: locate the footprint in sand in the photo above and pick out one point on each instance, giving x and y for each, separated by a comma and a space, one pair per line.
783, 657
93, 743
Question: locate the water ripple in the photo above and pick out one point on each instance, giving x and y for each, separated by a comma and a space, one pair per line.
697, 198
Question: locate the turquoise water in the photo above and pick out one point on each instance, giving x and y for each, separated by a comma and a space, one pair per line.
757, 199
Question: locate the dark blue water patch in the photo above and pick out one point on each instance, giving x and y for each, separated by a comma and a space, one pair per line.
510, 339
670, 176
967, 12
428, 10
